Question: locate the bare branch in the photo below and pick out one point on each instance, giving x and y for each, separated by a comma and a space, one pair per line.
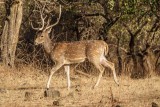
123, 49
137, 31
155, 26
65, 2
140, 28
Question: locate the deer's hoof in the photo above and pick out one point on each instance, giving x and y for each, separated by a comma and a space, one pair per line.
51, 93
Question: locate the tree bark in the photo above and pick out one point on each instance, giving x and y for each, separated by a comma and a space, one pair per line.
133, 35
11, 29
119, 57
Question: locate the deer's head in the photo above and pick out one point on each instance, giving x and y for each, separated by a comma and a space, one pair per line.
42, 36
44, 30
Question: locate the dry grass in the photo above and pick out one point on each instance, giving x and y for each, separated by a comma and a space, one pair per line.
14, 84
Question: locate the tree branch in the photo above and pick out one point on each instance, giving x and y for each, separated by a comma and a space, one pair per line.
128, 29
140, 28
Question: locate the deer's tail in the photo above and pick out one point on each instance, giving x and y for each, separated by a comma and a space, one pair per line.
106, 49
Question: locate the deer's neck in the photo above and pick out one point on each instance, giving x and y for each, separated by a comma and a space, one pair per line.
48, 45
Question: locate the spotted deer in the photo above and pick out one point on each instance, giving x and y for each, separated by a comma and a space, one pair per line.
64, 54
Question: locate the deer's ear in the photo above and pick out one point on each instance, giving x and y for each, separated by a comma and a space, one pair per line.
49, 30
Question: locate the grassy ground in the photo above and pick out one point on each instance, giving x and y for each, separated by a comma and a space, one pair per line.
25, 88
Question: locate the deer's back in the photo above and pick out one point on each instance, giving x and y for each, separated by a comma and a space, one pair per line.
78, 51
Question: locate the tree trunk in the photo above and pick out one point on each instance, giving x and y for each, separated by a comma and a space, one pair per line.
119, 57
11, 29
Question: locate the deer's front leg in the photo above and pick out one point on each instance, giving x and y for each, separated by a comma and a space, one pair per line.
54, 69
67, 70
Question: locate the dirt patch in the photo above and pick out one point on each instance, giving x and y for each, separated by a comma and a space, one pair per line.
26, 87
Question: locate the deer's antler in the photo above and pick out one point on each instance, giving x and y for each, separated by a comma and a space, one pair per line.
42, 19
60, 12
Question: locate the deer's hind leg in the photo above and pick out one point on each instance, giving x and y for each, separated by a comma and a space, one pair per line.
96, 62
111, 65
101, 69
